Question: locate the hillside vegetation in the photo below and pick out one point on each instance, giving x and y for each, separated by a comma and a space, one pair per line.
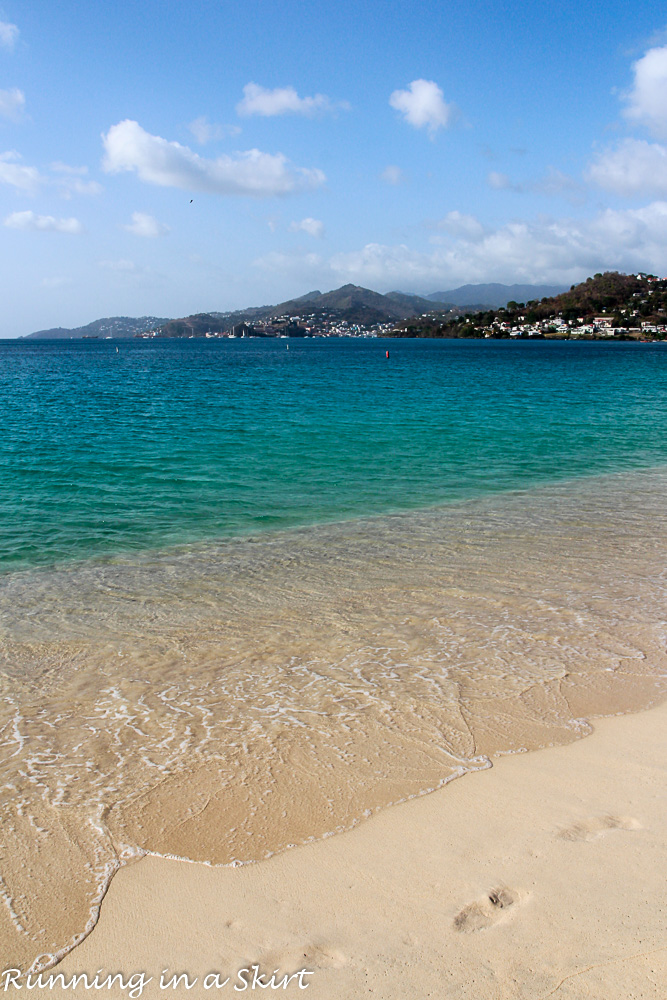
609, 304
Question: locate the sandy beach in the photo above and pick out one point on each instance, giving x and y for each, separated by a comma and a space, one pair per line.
333, 520
540, 877
223, 703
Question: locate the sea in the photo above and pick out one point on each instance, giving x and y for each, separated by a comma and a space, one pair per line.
253, 591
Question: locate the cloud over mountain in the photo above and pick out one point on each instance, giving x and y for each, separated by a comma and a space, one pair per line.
561, 250
556, 250
128, 147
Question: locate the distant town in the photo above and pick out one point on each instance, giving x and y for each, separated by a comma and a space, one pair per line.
607, 306
313, 325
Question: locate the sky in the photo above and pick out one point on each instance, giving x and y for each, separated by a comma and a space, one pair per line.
163, 158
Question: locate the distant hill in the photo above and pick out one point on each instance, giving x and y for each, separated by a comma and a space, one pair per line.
418, 302
196, 326
355, 304
111, 326
495, 296
359, 305
351, 303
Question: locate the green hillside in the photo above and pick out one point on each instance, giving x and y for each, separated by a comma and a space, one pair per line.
610, 304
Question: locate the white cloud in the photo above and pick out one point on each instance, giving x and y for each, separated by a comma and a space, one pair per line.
311, 226
561, 251
635, 167
500, 182
145, 225
378, 265
71, 181
460, 225
647, 101
423, 105
205, 131
392, 175
282, 101
12, 104
304, 268
74, 185
22, 178
169, 164
68, 180
64, 168
8, 35
43, 223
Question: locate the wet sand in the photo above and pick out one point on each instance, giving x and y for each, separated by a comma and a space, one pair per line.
223, 703
541, 877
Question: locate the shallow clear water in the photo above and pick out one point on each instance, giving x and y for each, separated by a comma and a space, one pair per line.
105, 451
471, 562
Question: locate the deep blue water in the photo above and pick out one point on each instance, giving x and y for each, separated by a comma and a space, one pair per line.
160, 443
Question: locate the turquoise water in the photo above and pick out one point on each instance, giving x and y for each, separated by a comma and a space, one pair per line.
162, 443
171, 693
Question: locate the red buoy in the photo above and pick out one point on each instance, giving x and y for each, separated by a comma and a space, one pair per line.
387, 353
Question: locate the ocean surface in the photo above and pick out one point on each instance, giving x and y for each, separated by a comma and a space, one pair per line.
110, 447
251, 595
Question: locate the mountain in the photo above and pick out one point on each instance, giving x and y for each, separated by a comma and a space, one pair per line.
196, 326
302, 299
495, 296
418, 303
111, 326
351, 304
355, 304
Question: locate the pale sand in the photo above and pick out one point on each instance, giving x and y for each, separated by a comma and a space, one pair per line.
224, 701
572, 840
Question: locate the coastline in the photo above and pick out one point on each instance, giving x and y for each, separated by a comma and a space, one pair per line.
226, 704
568, 841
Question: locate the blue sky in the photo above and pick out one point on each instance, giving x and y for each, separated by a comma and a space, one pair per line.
164, 158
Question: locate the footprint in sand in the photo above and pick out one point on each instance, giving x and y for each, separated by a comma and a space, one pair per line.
596, 826
487, 910
323, 957
311, 956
